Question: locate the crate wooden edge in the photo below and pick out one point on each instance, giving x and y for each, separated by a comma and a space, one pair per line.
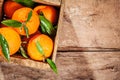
49, 2
32, 63
60, 20
25, 62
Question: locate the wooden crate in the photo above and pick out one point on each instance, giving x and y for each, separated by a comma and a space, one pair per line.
19, 60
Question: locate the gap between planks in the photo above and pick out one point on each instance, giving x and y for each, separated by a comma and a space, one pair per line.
87, 49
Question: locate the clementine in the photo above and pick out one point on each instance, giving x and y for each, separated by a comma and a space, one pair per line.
10, 7
13, 39
46, 44
49, 12
21, 15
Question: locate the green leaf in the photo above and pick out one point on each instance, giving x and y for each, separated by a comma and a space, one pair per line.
27, 3
47, 25
43, 29
39, 48
23, 53
12, 23
52, 65
5, 47
29, 16
26, 31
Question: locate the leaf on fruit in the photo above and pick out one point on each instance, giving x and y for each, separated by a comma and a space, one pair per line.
12, 23
26, 31
47, 27
39, 48
27, 3
5, 47
29, 16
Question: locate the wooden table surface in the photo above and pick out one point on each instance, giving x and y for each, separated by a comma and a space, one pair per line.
89, 45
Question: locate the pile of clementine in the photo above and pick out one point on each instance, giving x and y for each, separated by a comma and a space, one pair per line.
16, 36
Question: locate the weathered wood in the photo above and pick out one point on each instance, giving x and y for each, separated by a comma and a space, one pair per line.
60, 20
71, 66
79, 65
49, 2
18, 60
87, 49
91, 23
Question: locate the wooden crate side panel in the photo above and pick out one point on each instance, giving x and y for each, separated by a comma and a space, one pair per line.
18, 60
49, 2
60, 20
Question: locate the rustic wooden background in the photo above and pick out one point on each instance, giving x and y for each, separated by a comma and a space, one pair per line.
89, 45
91, 24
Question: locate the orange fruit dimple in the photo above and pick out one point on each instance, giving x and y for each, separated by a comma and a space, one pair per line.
13, 39
10, 7
46, 44
49, 12
21, 16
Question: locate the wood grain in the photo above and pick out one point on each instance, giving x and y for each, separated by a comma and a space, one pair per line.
91, 23
71, 66
60, 21
49, 2
94, 24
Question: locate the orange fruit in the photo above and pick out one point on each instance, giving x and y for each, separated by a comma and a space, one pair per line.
46, 44
13, 39
21, 16
10, 7
49, 12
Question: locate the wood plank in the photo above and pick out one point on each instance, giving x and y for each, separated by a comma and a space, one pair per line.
58, 30
49, 2
71, 66
91, 23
